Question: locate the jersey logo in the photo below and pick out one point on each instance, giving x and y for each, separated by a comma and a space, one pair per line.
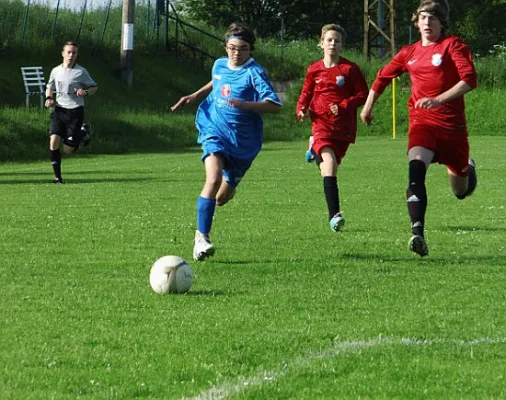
216, 76
412, 61
437, 59
318, 80
340, 80
226, 91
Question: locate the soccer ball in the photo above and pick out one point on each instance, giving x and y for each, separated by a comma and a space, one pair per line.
170, 274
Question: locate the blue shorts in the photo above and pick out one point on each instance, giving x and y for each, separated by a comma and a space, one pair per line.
235, 168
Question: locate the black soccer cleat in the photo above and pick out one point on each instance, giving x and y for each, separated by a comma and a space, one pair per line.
85, 130
58, 181
417, 245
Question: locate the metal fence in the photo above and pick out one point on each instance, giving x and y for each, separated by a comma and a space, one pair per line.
97, 23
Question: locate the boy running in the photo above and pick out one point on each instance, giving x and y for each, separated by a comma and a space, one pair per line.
230, 126
71, 83
441, 71
333, 89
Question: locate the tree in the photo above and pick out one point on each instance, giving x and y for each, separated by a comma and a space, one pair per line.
478, 22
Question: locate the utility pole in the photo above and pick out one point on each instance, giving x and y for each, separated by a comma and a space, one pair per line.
127, 42
376, 34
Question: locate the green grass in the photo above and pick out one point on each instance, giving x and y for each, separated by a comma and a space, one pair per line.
285, 309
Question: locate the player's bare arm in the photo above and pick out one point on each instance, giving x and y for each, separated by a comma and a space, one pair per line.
203, 91
302, 114
366, 114
458, 90
86, 92
49, 98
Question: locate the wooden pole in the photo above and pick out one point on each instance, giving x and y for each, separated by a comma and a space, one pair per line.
366, 28
392, 28
127, 42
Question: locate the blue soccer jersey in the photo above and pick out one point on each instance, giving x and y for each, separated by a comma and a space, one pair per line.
238, 132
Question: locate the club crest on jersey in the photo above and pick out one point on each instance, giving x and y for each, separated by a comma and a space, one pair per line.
437, 59
340, 80
226, 91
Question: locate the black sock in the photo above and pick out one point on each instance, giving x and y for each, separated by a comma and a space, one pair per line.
56, 162
331, 195
473, 181
416, 196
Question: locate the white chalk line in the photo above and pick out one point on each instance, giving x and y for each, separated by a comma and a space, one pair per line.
241, 384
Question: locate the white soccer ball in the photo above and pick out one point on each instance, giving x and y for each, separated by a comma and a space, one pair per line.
170, 274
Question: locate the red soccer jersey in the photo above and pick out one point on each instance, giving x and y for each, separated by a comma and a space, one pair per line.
343, 85
433, 70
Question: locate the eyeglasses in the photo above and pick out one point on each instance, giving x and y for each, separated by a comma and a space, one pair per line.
241, 49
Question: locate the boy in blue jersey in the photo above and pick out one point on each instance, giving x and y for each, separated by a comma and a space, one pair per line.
230, 126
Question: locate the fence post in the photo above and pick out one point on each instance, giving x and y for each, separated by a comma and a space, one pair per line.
127, 42
147, 20
166, 25
82, 19
55, 18
106, 22
26, 19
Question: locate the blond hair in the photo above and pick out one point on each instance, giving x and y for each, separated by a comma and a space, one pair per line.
333, 27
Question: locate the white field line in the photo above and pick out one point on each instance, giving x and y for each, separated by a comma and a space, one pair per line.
241, 384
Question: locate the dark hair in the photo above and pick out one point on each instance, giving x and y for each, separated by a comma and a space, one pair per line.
241, 31
438, 8
70, 43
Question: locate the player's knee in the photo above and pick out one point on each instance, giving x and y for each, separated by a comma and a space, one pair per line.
54, 142
213, 183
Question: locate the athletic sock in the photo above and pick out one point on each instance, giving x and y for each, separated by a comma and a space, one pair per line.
471, 184
416, 196
331, 195
205, 213
473, 180
56, 163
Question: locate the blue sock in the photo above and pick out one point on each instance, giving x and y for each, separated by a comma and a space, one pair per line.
205, 213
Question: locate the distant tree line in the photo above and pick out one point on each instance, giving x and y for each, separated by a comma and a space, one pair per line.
479, 22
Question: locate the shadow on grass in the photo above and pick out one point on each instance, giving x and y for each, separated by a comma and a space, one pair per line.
476, 228
206, 292
49, 172
429, 260
71, 182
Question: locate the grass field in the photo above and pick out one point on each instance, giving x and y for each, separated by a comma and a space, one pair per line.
286, 309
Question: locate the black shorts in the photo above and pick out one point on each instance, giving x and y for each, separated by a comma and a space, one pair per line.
67, 123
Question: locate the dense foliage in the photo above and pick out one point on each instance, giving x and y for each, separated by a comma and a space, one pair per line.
479, 22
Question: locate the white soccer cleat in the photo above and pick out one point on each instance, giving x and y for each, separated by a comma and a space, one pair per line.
203, 247
337, 223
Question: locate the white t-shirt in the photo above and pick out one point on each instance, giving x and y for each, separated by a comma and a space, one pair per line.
65, 82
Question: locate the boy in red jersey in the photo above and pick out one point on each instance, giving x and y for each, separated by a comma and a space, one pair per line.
333, 89
441, 71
